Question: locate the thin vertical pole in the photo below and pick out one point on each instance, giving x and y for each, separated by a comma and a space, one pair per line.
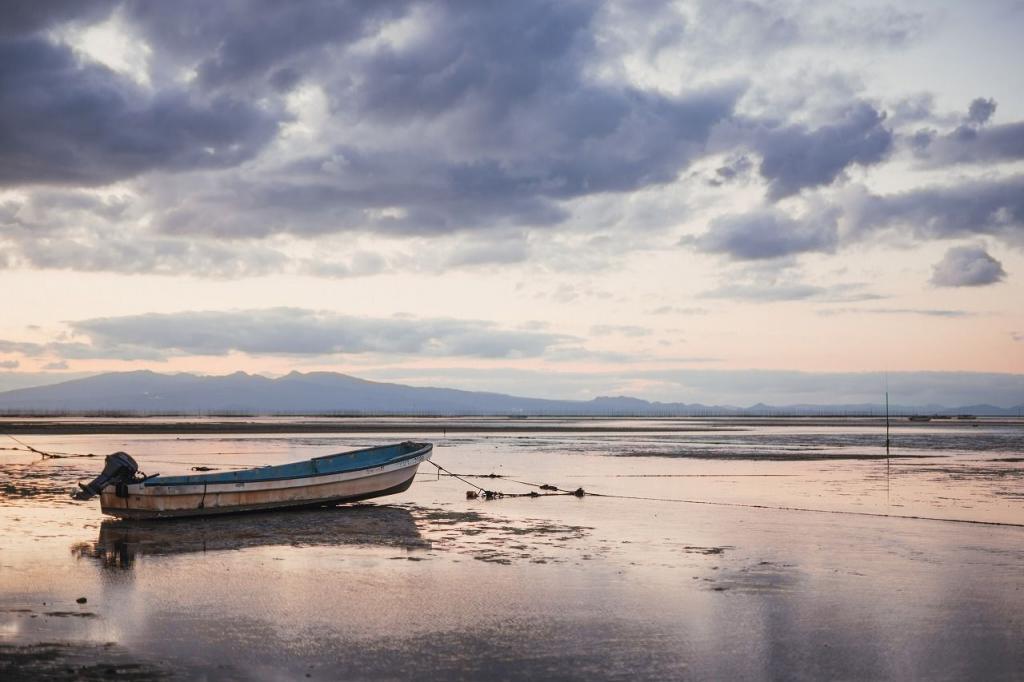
887, 440
887, 425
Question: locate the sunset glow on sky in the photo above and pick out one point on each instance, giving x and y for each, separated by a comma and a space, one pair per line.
558, 199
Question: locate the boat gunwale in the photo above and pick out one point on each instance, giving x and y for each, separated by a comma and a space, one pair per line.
140, 514
279, 483
203, 479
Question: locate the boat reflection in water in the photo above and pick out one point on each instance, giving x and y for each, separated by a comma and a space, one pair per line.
120, 543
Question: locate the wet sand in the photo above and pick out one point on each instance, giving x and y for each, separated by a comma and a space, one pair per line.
734, 584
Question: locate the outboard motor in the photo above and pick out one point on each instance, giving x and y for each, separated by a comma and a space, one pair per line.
119, 469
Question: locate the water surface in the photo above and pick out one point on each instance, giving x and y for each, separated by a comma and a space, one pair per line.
768, 550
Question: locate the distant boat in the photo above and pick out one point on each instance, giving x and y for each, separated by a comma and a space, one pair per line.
919, 418
321, 481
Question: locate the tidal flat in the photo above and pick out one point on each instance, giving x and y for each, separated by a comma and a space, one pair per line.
704, 549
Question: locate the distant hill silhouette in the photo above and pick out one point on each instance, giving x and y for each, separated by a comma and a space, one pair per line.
148, 392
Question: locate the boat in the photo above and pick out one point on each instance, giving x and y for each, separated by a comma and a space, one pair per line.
322, 481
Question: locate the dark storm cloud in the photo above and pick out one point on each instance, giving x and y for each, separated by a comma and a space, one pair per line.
30, 16
441, 117
487, 115
651, 138
768, 233
967, 266
796, 157
68, 122
295, 331
233, 43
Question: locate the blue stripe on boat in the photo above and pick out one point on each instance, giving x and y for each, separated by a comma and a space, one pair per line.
341, 462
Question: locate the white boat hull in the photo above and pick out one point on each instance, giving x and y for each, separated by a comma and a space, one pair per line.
141, 501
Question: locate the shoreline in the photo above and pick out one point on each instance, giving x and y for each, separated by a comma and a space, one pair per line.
90, 425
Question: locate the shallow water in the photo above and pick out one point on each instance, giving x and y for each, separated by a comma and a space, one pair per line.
781, 555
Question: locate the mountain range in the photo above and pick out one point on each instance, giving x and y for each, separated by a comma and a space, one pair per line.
146, 392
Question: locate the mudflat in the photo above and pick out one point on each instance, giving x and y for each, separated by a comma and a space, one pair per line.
714, 549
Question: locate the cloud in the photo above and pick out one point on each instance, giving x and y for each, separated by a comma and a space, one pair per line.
256, 42
9, 364
927, 312
482, 116
796, 157
973, 207
63, 121
619, 330
980, 110
972, 141
967, 144
723, 30
967, 266
23, 347
677, 310
768, 233
59, 364
296, 331
499, 251
360, 264
408, 119
772, 290
80, 351
733, 169
27, 17
153, 256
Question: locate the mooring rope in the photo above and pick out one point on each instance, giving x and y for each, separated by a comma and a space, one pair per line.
496, 494
196, 466
580, 492
26, 446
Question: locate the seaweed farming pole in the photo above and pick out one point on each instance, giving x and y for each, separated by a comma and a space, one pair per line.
887, 440
887, 426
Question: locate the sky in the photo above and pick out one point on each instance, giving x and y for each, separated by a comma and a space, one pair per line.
721, 201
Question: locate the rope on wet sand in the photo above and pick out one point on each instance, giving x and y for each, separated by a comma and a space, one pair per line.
195, 466
29, 448
497, 494
579, 492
